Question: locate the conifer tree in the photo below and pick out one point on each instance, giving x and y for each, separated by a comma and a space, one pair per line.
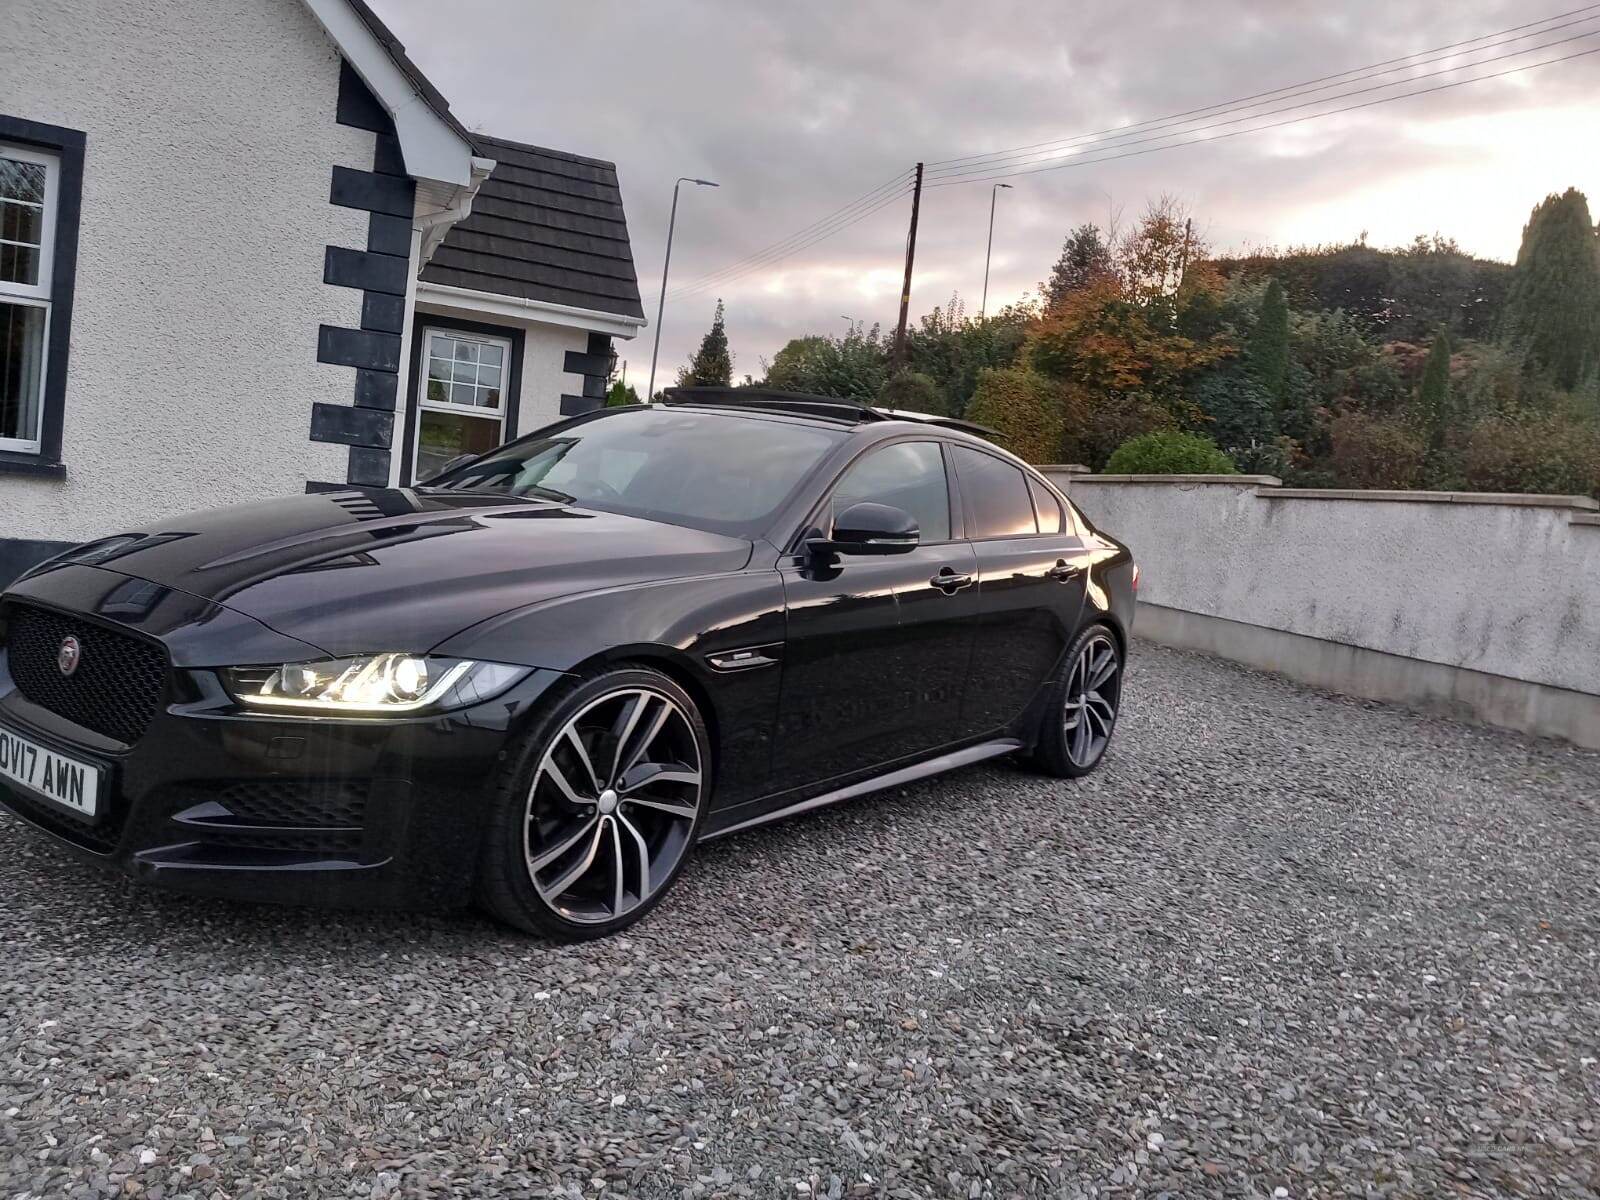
1433, 397
712, 365
1085, 257
1552, 311
1267, 351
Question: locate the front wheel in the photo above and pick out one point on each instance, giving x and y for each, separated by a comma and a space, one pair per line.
598, 808
1083, 708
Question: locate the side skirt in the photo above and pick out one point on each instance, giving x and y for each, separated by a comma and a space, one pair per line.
921, 770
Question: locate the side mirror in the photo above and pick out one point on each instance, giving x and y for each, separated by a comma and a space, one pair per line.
869, 528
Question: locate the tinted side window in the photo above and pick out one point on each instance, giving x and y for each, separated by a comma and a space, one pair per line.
996, 494
908, 475
1048, 506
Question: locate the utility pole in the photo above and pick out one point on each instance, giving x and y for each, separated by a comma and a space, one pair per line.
1183, 261
897, 359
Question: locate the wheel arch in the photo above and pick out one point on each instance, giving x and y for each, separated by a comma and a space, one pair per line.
676, 666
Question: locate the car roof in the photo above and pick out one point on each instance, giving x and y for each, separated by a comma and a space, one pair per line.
832, 409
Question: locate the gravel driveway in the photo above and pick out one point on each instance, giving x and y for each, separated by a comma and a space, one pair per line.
1283, 944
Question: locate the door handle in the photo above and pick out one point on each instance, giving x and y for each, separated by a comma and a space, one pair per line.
950, 582
1064, 571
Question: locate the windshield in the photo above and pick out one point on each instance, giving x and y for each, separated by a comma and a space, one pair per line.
712, 471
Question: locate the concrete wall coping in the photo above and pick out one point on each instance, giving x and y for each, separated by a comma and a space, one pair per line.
1584, 519
1064, 468
1518, 499
1271, 481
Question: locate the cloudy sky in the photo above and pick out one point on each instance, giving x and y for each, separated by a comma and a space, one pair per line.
799, 109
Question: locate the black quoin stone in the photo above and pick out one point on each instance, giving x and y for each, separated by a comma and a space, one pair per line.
368, 467
368, 190
352, 426
389, 235
363, 269
377, 389
358, 348
386, 313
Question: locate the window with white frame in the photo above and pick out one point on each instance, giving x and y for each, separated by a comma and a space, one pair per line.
29, 183
462, 408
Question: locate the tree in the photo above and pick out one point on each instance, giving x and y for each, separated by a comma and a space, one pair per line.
912, 392
1153, 259
1433, 395
712, 364
854, 367
1085, 257
1267, 352
1375, 452
1111, 346
953, 350
1023, 407
1552, 312
620, 394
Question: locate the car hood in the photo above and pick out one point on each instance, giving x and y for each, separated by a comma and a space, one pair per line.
351, 572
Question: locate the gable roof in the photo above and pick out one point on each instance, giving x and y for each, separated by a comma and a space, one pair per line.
546, 226
420, 83
432, 142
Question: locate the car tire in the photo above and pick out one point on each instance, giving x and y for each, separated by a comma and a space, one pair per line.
1084, 704
595, 813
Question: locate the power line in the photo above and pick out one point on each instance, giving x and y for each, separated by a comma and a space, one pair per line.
1155, 137
773, 260
1228, 105
1440, 87
1003, 164
894, 186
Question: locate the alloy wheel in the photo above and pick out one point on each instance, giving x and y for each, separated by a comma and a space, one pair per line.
612, 806
1090, 709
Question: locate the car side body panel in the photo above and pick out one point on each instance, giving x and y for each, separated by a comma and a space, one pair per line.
696, 627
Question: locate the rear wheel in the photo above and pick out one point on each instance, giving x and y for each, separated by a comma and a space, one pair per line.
598, 811
1084, 704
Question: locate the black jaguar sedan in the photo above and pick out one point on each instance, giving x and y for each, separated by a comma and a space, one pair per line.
540, 679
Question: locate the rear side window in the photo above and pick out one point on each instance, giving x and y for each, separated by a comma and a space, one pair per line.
1048, 507
996, 495
908, 475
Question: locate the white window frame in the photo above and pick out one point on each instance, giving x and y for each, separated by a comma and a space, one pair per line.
36, 295
498, 415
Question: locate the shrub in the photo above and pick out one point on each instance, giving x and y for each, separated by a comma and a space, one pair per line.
912, 392
1170, 452
1551, 454
1023, 408
1375, 452
1096, 424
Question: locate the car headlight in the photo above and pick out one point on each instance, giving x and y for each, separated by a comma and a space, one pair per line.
371, 684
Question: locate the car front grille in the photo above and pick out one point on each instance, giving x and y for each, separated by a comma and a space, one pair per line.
273, 814
296, 803
115, 691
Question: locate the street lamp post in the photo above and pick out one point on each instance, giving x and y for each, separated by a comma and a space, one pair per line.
983, 307
672, 221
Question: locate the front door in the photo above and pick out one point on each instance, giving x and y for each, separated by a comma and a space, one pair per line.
877, 648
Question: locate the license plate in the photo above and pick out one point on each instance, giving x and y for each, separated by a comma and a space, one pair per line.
49, 775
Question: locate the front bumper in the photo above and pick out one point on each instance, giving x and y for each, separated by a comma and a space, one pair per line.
217, 801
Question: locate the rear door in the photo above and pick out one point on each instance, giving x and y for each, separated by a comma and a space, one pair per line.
1032, 568
877, 647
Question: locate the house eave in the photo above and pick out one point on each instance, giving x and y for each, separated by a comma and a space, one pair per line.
432, 146
492, 304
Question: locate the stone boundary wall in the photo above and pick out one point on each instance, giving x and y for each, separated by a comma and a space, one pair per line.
1484, 606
